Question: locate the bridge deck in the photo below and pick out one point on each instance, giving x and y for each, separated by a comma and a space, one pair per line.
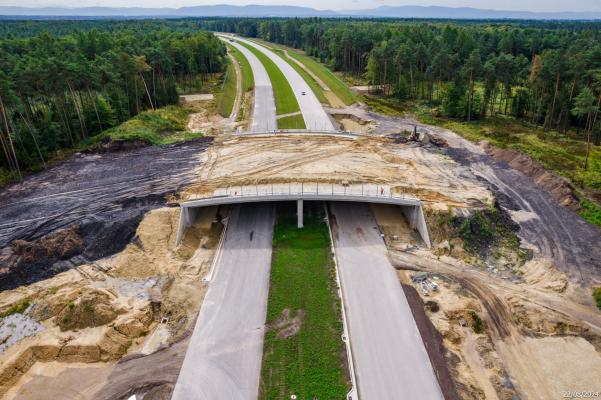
363, 193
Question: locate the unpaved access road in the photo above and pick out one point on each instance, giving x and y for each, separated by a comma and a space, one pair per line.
224, 357
554, 232
314, 115
390, 359
264, 117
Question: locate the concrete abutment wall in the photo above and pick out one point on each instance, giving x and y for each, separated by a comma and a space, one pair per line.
411, 208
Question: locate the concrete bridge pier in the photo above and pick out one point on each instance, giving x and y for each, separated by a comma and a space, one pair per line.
299, 213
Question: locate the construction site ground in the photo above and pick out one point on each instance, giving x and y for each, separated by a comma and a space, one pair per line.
108, 322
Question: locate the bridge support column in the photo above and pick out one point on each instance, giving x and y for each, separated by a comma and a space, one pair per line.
299, 213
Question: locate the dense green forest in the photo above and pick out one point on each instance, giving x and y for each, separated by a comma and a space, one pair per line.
62, 85
542, 72
61, 81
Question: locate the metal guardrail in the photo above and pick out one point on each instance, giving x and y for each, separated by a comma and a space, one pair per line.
307, 190
346, 134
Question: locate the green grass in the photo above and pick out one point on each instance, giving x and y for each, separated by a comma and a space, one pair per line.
340, 89
308, 364
18, 308
161, 126
597, 297
292, 122
229, 90
248, 80
285, 101
306, 76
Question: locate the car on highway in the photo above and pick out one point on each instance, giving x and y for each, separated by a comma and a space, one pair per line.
303, 93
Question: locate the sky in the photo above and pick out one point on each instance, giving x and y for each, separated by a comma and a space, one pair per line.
528, 5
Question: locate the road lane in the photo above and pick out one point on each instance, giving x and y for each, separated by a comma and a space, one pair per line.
390, 359
223, 361
313, 113
264, 115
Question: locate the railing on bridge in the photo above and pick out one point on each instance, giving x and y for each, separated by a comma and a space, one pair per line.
345, 134
310, 189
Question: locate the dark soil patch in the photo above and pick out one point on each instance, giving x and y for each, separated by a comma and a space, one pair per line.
95, 200
440, 357
558, 187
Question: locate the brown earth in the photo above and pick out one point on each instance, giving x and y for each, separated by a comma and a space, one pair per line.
441, 359
86, 208
99, 313
557, 186
409, 169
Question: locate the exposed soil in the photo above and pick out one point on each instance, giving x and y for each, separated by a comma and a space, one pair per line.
97, 313
558, 187
286, 325
86, 208
552, 231
438, 354
409, 169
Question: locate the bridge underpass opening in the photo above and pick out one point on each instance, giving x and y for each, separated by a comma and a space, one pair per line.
410, 208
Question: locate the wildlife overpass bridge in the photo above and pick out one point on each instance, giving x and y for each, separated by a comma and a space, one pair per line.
300, 192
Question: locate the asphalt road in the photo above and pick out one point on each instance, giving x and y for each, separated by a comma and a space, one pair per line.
390, 359
223, 360
313, 113
264, 117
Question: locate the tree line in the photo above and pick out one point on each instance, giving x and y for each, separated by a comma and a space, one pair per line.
57, 89
548, 73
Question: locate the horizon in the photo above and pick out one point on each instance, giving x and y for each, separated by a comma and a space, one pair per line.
578, 6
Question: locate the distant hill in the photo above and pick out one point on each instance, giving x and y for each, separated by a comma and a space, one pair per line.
464, 13
294, 11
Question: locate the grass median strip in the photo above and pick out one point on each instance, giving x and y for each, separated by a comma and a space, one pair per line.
285, 101
303, 352
291, 122
308, 78
340, 89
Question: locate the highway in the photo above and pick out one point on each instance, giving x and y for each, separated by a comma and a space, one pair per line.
223, 361
390, 359
264, 116
313, 113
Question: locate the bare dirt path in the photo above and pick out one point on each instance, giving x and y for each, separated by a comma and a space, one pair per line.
239, 93
511, 344
553, 231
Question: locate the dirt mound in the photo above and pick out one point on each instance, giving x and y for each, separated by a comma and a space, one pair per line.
85, 310
59, 245
286, 325
544, 275
148, 253
558, 187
